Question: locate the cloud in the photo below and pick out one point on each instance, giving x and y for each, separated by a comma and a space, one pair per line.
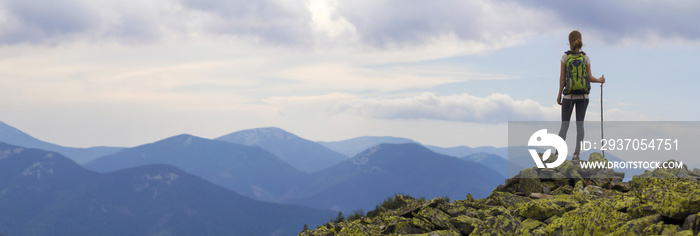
414, 22
69, 21
476, 25
495, 108
270, 20
326, 21
132, 21
626, 20
32, 21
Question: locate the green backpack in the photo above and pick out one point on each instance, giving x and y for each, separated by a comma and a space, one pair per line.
576, 81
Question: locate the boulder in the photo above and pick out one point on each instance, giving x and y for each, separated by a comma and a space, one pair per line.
436, 217
529, 182
593, 218
566, 200
504, 224
638, 226
465, 224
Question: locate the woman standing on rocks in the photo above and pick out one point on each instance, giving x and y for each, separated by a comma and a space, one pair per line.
575, 79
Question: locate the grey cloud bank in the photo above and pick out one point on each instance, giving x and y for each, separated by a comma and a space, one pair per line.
102, 72
378, 24
616, 21
496, 108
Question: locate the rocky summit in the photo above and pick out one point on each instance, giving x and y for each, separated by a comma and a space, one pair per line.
567, 200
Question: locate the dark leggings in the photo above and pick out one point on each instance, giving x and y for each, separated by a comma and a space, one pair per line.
567, 107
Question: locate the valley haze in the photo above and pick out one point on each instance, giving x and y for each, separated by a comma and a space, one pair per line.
127, 184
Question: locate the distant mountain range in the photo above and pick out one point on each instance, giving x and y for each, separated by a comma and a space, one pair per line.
256, 173
354, 146
302, 154
161, 187
386, 169
44, 193
246, 163
11, 135
247, 170
495, 160
461, 151
492, 161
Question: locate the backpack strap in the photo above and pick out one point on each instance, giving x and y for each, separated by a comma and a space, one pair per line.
570, 52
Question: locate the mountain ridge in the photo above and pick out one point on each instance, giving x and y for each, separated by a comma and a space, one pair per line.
45, 193
302, 154
391, 168
248, 170
12, 135
354, 146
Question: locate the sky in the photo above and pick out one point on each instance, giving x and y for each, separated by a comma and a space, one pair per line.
123, 73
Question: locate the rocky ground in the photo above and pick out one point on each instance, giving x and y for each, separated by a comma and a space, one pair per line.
566, 200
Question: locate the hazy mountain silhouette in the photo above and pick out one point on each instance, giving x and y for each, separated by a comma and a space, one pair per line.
383, 170
492, 161
302, 154
497, 163
354, 146
461, 151
44, 193
14, 136
247, 170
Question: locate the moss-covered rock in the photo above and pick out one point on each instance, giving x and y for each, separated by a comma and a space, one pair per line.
540, 210
440, 233
530, 224
696, 227
320, 231
529, 182
566, 200
543, 209
436, 217
456, 209
637, 226
422, 224
593, 218
465, 224
662, 229
639, 209
359, 229
670, 197
565, 168
507, 199
597, 157
563, 190
623, 202
404, 226
504, 224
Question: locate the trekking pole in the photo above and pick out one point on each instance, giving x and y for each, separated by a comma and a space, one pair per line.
601, 115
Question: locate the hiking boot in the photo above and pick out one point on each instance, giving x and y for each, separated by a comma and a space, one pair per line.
576, 159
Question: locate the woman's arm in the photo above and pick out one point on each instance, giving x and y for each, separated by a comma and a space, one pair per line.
562, 74
594, 79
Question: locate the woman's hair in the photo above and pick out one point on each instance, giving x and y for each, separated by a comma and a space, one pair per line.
575, 42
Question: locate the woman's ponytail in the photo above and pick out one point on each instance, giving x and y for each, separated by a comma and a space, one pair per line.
575, 42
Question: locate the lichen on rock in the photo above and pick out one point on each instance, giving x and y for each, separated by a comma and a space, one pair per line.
566, 200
